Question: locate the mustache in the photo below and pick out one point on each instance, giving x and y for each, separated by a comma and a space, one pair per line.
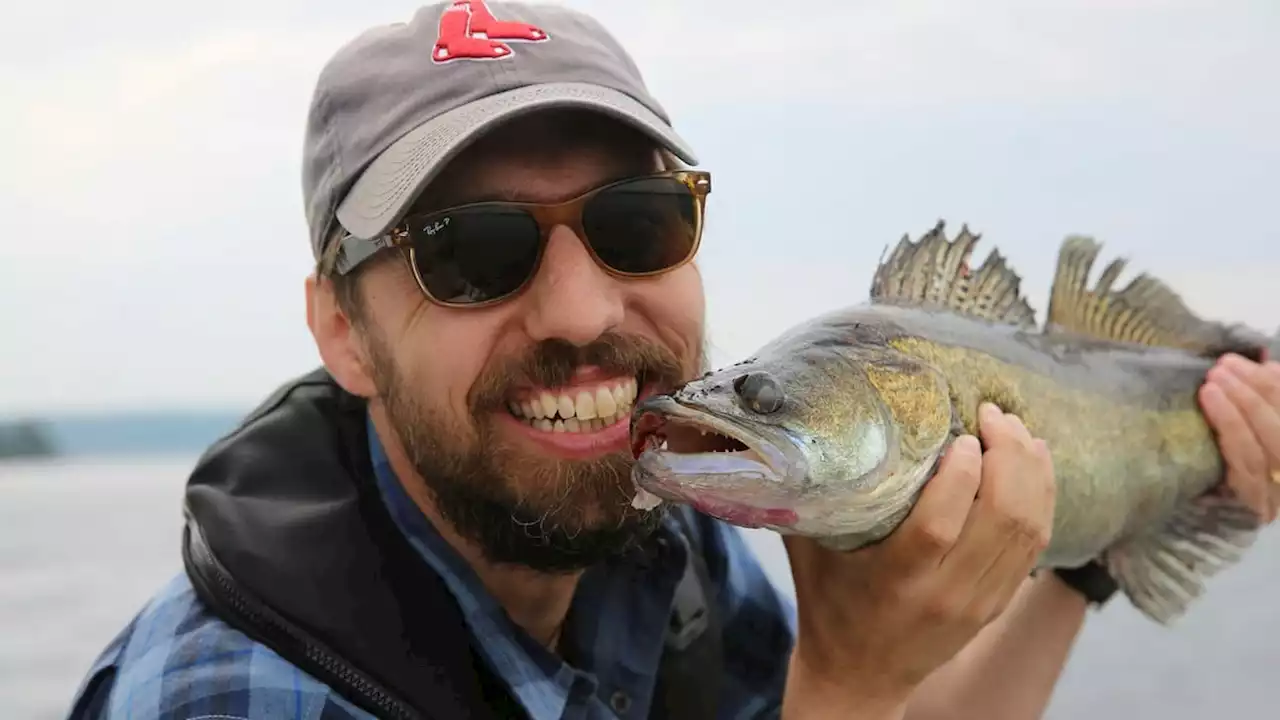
553, 362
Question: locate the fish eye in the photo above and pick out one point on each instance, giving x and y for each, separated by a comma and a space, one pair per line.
760, 392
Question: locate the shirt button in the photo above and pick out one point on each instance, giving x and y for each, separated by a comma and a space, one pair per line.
620, 701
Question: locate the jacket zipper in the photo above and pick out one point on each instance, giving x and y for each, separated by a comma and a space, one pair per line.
252, 612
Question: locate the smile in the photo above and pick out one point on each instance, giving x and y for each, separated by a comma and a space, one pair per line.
585, 419
583, 408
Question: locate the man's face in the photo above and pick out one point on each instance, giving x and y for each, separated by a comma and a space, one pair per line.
468, 392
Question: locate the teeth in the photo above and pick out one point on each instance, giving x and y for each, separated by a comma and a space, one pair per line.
605, 404
564, 406
548, 405
584, 411
585, 407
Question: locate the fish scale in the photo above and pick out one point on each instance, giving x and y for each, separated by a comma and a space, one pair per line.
872, 395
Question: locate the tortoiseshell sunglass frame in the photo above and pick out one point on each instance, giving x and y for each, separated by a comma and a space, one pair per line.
348, 252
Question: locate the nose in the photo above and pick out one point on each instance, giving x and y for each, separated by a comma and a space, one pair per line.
572, 298
760, 392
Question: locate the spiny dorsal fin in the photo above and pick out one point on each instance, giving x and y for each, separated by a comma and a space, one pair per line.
935, 272
1145, 312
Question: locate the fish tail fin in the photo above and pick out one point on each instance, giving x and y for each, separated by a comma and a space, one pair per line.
1163, 572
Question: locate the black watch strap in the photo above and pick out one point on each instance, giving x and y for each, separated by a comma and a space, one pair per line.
1091, 580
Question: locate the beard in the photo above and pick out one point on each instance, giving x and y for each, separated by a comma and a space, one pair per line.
515, 505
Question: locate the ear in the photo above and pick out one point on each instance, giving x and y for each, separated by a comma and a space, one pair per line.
339, 341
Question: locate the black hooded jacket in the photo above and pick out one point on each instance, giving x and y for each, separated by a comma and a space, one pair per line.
288, 540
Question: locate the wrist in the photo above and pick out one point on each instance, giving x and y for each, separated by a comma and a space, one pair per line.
813, 695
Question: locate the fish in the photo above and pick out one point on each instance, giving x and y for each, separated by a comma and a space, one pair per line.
831, 429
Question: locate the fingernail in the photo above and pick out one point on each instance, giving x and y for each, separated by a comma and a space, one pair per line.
1237, 364
967, 444
989, 411
1213, 395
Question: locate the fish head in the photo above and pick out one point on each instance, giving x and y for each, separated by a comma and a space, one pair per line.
822, 440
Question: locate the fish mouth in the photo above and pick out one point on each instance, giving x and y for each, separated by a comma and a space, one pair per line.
689, 456
663, 425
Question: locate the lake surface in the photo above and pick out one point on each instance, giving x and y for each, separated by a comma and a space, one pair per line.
83, 544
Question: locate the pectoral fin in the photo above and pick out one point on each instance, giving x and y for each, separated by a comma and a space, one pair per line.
1163, 573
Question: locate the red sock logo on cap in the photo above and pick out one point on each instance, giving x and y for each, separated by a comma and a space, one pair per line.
469, 30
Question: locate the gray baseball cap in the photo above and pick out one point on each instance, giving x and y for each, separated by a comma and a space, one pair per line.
394, 105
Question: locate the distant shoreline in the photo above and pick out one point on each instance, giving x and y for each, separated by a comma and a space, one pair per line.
114, 434
27, 439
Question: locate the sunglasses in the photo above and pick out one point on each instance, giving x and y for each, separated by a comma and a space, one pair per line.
481, 253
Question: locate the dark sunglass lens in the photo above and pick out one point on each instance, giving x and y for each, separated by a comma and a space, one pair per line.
642, 226
474, 254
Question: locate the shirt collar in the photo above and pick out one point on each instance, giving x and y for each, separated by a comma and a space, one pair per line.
619, 613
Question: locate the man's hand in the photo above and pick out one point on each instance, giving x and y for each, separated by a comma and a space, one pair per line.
876, 622
1241, 402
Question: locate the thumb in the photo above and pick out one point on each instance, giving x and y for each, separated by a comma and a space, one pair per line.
939, 515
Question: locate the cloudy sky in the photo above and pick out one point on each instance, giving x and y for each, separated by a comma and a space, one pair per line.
154, 246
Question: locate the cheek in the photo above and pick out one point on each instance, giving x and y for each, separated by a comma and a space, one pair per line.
446, 354
438, 352
675, 305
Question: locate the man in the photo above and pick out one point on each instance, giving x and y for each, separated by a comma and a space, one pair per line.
437, 525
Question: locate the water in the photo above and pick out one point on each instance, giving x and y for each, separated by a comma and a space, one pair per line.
83, 545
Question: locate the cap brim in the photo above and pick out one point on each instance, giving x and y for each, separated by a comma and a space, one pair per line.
394, 179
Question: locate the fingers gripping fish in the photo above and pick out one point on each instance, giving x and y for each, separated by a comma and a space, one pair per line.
832, 429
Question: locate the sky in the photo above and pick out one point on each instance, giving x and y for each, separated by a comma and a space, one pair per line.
155, 244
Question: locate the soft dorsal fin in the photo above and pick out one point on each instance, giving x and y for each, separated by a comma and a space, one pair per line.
1145, 312
935, 272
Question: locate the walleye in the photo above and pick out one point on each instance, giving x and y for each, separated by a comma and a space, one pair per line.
832, 429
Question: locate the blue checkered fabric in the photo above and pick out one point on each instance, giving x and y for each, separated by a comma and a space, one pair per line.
176, 660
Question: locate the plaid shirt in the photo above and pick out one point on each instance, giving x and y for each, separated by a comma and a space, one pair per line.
177, 661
